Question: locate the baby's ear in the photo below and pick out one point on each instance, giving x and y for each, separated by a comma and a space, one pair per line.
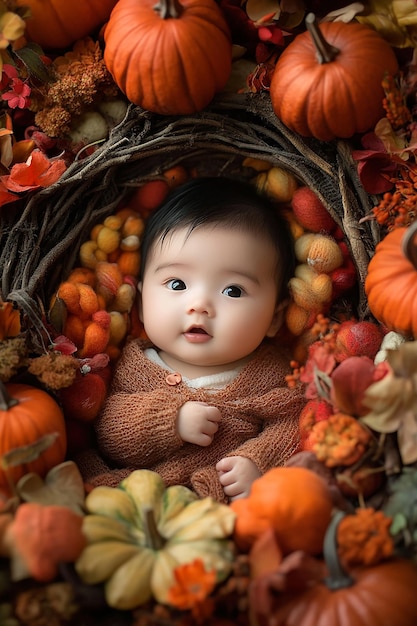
278, 319
140, 301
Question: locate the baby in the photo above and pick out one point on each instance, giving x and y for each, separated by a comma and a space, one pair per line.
203, 401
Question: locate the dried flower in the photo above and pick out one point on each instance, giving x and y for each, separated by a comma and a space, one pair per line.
13, 356
339, 440
364, 538
193, 585
55, 370
82, 79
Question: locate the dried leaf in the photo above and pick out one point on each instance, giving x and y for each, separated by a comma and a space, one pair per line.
393, 400
403, 361
389, 399
63, 485
31, 57
297, 572
344, 14
29, 453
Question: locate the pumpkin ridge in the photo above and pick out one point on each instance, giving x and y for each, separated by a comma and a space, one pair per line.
186, 67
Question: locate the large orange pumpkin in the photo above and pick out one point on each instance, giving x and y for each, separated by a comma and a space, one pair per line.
59, 23
26, 415
170, 58
391, 282
327, 82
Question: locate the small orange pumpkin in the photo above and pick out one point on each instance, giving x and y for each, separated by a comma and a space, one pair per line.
26, 415
295, 501
327, 82
59, 23
391, 281
170, 58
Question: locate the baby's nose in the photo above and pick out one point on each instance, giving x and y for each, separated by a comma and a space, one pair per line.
201, 304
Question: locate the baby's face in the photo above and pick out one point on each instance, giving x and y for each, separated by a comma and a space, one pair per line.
209, 299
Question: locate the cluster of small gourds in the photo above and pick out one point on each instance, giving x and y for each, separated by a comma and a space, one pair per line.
325, 269
99, 296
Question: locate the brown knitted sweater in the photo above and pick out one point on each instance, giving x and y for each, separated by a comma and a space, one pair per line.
137, 427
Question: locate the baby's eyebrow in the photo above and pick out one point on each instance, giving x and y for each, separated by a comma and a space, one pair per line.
243, 274
165, 266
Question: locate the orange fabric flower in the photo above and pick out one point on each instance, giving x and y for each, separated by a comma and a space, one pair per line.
38, 171
364, 538
193, 585
339, 440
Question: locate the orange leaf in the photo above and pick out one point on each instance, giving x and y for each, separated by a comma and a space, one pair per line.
38, 171
5, 196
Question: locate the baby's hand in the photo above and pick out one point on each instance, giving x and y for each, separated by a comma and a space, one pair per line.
198, 422
236, 474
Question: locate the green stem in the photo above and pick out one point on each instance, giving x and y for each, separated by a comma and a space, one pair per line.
337, 578
169, 8
154, 538
6, 400
326, 53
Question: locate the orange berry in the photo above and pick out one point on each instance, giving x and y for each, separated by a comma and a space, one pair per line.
126, 212
150, 195
95, 231
74, 329
108, 239
129, 263
114, 222
133, 226
68, 292
88, 300
176, 176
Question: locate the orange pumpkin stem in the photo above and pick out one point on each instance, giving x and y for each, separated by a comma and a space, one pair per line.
6, 400
337, 578
326, 53
169, 8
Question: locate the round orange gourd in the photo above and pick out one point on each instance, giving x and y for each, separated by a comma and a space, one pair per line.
59, 23
327, 82
170, 58
391, 282
295, 501
26, 415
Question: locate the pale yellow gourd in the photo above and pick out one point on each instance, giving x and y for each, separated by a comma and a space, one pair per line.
139, 532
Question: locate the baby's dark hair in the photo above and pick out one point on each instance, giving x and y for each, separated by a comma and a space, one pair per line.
225, 202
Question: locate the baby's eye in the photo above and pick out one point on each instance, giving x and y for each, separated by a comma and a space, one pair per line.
176, 284
233, 291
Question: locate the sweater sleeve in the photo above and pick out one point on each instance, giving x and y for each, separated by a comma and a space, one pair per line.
278, 411
137, 425
139, 429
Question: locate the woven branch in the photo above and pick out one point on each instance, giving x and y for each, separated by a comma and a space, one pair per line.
39, 242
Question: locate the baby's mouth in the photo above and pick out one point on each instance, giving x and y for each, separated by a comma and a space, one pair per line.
197, 334
197, 330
